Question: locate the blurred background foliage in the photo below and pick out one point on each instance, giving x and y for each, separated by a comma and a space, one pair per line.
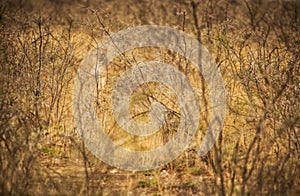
256, 45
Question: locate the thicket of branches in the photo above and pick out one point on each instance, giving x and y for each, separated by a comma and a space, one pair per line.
256, 45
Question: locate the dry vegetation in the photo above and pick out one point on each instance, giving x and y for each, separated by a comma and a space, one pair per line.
256, 45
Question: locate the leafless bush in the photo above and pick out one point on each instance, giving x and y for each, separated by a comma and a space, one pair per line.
260, 144
36, 70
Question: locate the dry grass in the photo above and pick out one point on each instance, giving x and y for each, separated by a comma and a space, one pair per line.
255, 44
